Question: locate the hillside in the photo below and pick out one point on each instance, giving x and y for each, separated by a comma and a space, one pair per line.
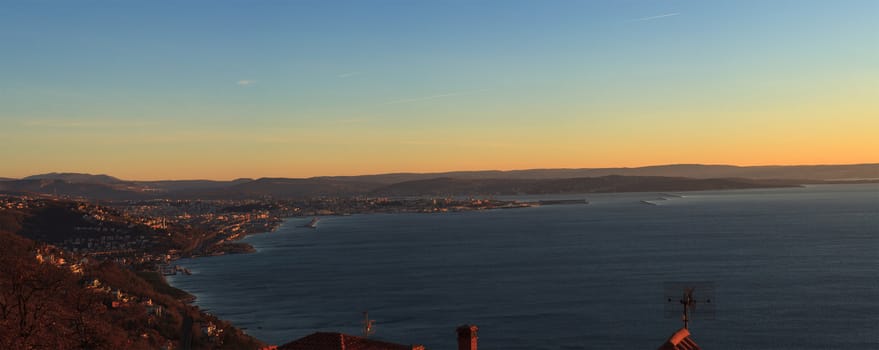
277, 188
189, 185
104, 187
76, 178
613, 183
52, 299
699, 171
102, 191
281, 187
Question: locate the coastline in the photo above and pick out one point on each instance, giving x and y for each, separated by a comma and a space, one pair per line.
235, 246
215, 297
533, 202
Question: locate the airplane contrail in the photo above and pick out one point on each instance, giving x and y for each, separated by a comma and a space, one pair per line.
654, 17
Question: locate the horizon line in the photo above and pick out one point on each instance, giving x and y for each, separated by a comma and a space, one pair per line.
438, 172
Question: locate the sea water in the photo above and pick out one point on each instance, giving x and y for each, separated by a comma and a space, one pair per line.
793, 268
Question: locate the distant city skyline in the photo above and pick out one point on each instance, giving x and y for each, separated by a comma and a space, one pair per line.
229, 89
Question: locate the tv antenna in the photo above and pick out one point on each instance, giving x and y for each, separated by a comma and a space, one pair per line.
368, 325
689, 299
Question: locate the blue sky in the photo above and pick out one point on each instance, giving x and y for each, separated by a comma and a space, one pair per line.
375, 86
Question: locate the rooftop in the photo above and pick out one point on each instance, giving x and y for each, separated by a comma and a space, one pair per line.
339, 341
680, 340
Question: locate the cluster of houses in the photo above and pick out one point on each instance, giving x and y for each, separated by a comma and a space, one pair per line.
23, 202
109, 244
54, 256
161, 214
122, 299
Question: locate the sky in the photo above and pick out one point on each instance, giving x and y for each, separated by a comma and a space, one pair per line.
229, 89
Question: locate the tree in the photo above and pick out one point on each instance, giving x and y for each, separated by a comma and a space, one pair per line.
31, 311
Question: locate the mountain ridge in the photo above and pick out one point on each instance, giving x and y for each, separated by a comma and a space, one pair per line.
808, 172
613, 183
801, 172
653, 178
75, 178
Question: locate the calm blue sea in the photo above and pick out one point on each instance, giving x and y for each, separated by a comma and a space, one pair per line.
793, 269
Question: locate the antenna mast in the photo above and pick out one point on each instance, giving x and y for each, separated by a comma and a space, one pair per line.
368, 325
687, 301
689, 294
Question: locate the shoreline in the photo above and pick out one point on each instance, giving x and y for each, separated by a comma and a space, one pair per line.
216, 301
508, 204
246, 248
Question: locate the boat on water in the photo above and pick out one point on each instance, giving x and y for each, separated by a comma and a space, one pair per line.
312, 223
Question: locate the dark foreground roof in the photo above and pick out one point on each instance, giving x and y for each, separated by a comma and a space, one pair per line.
339, 341
680, 341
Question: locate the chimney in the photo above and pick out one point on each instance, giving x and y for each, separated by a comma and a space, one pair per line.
467, 337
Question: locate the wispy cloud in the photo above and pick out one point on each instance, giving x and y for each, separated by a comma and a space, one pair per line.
246, 82
432, 97
654, 17
348, 74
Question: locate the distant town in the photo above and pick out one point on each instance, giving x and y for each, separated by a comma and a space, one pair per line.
156, 232
79, 238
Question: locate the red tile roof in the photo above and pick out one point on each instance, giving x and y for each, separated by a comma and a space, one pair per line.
680, 341
339, 341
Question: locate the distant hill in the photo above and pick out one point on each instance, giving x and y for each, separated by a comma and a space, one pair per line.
76, 178
604, 184
699, 171
276, 188
121, 191
183, 185
652, 178
284, 188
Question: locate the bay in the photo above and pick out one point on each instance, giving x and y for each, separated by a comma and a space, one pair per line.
794, 268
